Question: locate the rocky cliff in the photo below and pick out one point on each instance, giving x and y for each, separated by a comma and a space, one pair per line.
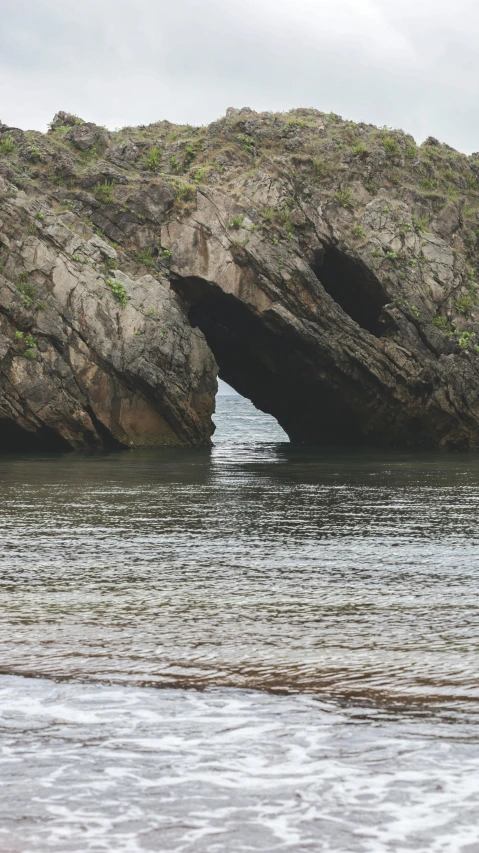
327, 268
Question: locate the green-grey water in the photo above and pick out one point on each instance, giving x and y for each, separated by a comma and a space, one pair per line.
253, 648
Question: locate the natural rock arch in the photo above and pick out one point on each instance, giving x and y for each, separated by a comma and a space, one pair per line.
313, 273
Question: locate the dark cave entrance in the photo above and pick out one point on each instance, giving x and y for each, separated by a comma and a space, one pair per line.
251, 358
272, 367
15, 439
353, 286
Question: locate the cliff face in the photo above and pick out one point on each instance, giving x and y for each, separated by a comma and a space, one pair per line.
327, 268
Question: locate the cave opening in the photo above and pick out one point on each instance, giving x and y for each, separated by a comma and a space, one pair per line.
251, 359
269, 365
15, 439
353, 286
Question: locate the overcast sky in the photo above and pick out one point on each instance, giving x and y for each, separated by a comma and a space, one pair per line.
412, 64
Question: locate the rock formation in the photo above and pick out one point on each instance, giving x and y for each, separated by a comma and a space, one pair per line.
327, 268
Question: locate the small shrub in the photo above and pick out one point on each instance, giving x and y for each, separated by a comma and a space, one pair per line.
391, 146
199, 176
104, 192
343, 198
185, 193
440, 322
146, 258
30, 341
166, 254
246, 143
118, 290
464, 304
360, 150
152, 159
190, 153
411, 152
110, 264
30, 354
7, 144
464, 338
319, 168
174, 163
268, 214
429, 184
26, 289
237, 221
18, 336
358, 232
420, 224
34, 153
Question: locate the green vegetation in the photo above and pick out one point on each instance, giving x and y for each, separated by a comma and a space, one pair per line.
246, 143
7, 144
464, 338
344, 199
391, 146
185, 192
440, 322
319, 168
146, 258
26, 289
360, 150
358, 232
34, 153
104, 192
118, 290
110, 264
465, 304
152, 159
237, 221
420, 224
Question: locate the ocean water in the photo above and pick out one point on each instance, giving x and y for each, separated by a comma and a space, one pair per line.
255, 648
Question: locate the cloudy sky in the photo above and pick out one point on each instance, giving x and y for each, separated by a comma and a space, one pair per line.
412, 64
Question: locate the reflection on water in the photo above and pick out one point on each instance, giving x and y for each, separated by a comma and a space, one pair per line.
347, 580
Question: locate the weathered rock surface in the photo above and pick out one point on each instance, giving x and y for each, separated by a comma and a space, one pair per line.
327, 268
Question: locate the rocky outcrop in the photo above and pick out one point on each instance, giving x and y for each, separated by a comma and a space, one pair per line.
327, 268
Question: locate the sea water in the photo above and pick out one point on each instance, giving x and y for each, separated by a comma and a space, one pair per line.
255, 648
